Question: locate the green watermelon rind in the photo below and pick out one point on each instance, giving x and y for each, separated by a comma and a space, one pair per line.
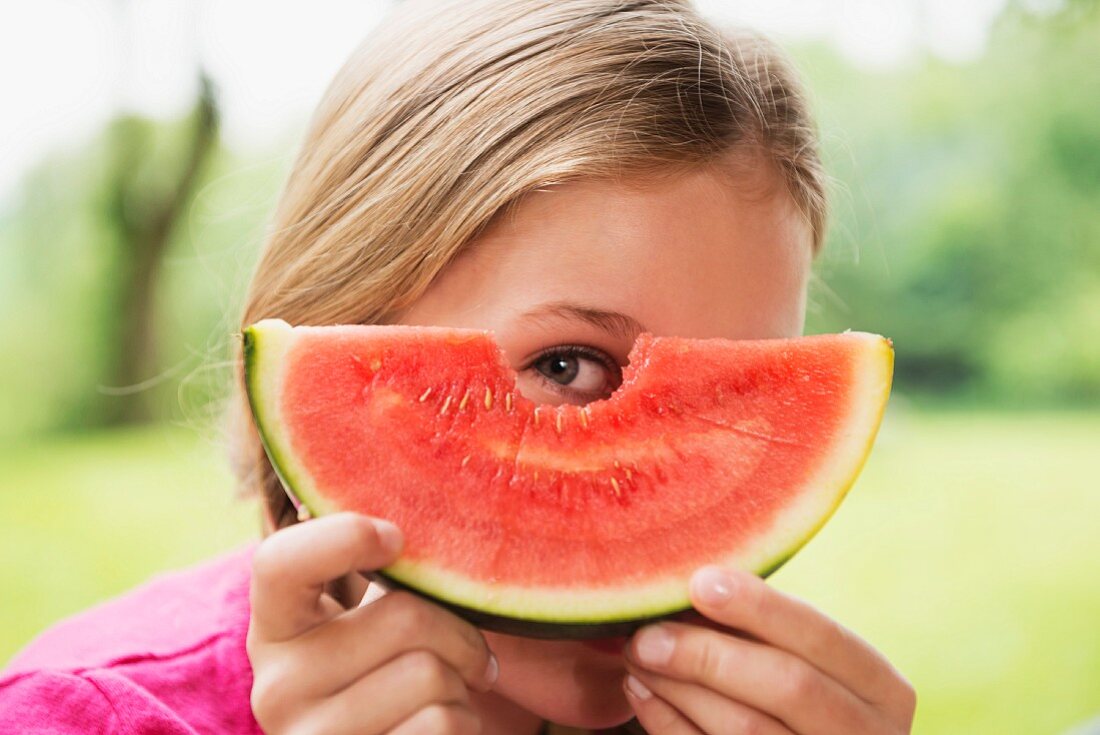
566, 611
265, 344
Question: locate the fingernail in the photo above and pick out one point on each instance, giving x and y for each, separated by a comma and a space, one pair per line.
374, 593
712, 585
653, 646
637, 688
389, 536
492, 671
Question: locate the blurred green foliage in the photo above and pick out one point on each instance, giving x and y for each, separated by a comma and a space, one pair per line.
968, 222
966, 227
57, 264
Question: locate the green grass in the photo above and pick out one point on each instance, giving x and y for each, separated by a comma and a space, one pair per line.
85, 518
969, 551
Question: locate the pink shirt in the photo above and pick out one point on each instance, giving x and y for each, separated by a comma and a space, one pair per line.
168, 657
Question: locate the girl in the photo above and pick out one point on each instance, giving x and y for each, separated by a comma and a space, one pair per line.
567, 173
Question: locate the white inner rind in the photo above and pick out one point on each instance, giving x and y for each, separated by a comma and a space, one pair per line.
812, 504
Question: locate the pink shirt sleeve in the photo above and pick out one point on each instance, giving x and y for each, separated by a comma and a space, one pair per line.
56, 703
60, 703
168, 658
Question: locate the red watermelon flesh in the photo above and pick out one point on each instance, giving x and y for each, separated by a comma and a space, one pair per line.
711, 451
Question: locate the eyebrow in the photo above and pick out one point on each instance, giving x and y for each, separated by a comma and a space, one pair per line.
614, 323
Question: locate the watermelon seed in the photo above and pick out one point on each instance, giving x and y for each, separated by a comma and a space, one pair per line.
615, 486
584, 417
465, 400
557, 421
425, 394
488, 399
376, 364
446, 405
465, 461
536, 415
618, 465
508, 402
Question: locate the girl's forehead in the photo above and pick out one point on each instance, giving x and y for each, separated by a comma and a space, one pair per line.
697, 255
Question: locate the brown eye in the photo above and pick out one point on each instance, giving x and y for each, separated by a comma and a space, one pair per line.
579, 373
559, 368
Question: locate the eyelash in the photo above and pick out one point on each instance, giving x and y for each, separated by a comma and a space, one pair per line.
572, 351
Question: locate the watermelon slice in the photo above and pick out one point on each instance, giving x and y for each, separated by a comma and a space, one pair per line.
568, 521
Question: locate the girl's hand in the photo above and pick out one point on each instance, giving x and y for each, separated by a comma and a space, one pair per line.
784, 668
398, 665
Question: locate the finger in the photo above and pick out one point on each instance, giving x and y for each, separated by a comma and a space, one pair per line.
656, 715
709, 711
693, 617
744, 601
756, 674
365, 638
411, 682
440, 719
290, 569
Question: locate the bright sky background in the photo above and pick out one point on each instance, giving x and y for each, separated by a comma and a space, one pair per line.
67, 65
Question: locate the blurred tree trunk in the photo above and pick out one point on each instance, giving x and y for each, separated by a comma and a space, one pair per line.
144, 208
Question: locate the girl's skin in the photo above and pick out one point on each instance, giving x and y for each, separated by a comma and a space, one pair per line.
589, 264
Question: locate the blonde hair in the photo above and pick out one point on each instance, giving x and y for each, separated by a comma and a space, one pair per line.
450, 112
